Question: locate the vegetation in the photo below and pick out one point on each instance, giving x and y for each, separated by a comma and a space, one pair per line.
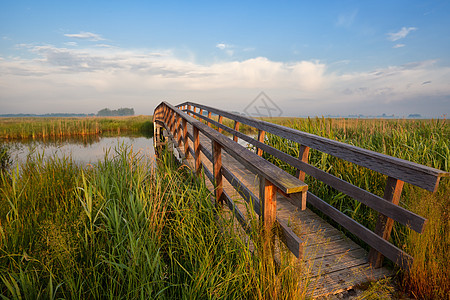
31, 128
121, 229
422, 141
106, 112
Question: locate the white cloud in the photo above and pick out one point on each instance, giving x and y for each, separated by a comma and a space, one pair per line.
85, 36
64, 79
402, 33
398, 46
221, 46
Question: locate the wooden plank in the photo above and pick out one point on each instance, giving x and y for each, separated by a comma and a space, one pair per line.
339, 281
217, 167
416, 174
384, 225
289, 238
236, 212
390, 251
208, 173
245, 192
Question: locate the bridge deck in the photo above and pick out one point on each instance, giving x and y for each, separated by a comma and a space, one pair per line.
332, 261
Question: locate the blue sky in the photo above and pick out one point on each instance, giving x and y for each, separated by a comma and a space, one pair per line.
309, 57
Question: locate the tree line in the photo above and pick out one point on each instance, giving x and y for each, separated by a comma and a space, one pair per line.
106, 112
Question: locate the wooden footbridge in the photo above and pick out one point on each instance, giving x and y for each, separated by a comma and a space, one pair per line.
237, 174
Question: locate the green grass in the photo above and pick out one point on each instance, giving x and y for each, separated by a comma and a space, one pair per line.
121, 229
31, 128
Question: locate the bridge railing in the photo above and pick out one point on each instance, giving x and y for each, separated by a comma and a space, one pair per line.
397, 170
272, 179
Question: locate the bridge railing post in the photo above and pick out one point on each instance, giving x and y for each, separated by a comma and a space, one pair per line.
220, 122
179, 130
236, 127
185, 139
217, 168
261, 134
197, 151
392, 193
189, 108
209, 117
268, 201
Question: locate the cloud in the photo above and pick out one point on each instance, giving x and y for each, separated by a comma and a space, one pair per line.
85, 36
227, 48
61, 79
402, 33
221, 46
398, 46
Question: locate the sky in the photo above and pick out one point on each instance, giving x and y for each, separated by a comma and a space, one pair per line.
309, 58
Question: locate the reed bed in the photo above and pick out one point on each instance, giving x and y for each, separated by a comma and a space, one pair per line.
121, 229
31, 128
425, 142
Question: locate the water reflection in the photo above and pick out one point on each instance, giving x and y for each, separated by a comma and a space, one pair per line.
83, 150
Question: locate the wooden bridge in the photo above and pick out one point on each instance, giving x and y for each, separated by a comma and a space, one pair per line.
237, 174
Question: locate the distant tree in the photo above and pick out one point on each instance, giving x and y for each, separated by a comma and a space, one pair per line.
106, 112
415, 116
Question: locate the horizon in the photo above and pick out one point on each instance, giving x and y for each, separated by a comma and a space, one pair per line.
310, 59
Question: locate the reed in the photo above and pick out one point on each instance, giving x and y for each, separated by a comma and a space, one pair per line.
31, 128
123, 229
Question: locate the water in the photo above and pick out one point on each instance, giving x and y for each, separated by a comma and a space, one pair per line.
84, 151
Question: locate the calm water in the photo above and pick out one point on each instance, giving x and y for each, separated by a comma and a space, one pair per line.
84, 151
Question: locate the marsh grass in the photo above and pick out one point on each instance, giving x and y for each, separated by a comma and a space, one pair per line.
31, 128
121, 229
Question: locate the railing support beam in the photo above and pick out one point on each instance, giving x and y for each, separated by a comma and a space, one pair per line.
392, 193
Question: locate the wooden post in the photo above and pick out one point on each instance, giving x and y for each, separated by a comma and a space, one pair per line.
217, 168
185, 139
197, 151
178, 133
261, 134
303, 154
189, 108
209, 117
201, 113
268, 201
220, 121
236, 127
392, 193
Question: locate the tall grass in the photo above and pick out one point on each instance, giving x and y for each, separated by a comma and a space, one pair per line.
122, 229
26, 128
422, 141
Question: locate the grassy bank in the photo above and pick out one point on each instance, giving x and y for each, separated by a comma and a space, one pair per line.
422, 141
122, 230
26, 128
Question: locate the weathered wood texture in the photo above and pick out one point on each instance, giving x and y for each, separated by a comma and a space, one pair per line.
247, 175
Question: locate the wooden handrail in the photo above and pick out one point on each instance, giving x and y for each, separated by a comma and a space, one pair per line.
397, 170
413, 173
